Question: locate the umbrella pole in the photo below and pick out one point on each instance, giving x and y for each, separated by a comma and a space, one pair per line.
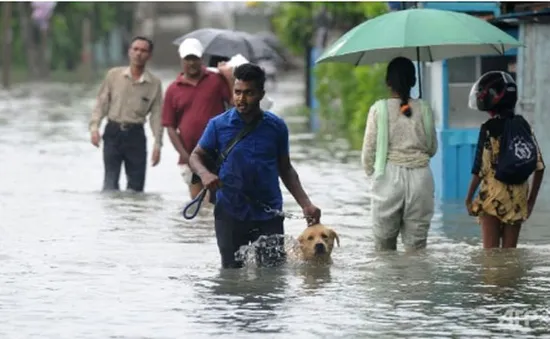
419, 73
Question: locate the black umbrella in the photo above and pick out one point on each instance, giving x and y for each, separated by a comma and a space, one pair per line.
273, 41
227, 43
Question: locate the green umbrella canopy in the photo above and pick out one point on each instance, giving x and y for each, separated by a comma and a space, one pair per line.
420, 35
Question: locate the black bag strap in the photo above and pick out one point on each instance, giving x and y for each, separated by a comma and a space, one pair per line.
242, 133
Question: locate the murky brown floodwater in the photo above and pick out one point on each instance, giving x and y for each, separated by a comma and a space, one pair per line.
75, 263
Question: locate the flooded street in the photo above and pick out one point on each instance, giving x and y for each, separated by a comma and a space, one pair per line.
75, 263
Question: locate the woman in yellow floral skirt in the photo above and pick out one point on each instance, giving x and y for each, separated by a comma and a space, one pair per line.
501, 208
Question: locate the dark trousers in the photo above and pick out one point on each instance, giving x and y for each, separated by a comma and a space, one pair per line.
126, 144
232, 233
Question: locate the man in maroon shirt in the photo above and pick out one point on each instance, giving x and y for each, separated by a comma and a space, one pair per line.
190, 101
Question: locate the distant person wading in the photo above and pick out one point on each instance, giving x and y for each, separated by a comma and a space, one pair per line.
126, 97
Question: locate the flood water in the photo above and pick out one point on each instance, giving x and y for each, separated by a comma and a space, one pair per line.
75, 263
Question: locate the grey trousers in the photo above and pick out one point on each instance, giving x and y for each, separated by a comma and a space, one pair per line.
402, 203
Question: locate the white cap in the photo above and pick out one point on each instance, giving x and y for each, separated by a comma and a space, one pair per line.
190, 46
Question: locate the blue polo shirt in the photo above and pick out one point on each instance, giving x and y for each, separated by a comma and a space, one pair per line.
251, 168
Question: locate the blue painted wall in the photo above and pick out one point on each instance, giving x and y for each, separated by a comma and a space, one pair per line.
515, 33
453, 161
456, 161
471, 7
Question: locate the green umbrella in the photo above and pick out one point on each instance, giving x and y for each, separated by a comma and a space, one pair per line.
421, 34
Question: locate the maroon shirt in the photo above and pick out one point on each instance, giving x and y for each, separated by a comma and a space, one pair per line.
188, 107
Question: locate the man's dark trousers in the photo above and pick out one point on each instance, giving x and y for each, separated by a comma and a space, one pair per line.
124, 143
232, 233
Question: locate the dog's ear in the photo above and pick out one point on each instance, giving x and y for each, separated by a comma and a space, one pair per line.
301, 239
335, 236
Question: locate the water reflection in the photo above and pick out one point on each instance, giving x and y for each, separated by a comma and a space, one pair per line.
133, 208
313, 277
401, 277
247, 300
502, 270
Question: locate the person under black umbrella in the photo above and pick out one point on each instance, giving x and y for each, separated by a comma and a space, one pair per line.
227, 43
191, 100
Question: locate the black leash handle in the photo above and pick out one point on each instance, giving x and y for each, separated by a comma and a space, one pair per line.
197, 201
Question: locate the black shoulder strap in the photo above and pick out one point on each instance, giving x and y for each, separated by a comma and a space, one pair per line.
242, 133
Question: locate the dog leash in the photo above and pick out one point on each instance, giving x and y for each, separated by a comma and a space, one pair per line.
202, 194
196, 201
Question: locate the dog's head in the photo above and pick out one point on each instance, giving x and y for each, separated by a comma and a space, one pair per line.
317, 242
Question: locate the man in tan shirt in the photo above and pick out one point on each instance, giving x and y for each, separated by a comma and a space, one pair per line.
126, 96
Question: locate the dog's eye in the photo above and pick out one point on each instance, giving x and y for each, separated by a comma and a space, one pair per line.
310, 238
324, 236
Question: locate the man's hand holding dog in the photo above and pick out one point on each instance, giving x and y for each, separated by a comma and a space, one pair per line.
312, 213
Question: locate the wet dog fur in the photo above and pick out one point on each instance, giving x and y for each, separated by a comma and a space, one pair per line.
316, 243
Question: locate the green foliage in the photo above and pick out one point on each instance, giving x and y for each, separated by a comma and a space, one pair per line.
345, 92
294, 21
65, 30
294, 24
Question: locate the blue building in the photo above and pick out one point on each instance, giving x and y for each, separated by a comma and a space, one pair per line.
446, 85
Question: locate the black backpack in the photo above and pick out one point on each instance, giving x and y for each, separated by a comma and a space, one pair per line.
518, 152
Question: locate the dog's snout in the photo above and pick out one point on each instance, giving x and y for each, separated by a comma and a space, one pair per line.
320, 248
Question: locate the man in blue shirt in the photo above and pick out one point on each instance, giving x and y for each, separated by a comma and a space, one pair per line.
249, 177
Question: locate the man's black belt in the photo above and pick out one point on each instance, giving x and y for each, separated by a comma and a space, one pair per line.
124, 126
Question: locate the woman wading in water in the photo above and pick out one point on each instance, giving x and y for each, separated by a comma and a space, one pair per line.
398, 144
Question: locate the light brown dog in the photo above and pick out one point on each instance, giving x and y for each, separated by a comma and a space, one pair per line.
316, 244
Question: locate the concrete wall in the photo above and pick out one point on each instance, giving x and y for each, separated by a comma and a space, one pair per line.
533, 69
534, 84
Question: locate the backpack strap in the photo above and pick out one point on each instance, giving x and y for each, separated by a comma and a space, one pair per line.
427, 119
382, 137
248, 127
214, 159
